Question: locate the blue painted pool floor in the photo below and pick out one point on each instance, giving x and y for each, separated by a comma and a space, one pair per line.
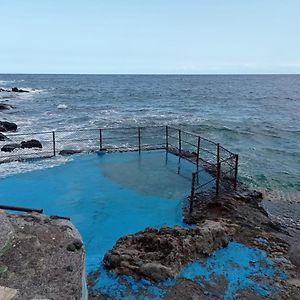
112, 195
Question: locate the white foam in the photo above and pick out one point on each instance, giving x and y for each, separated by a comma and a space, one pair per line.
17, 167
62, 106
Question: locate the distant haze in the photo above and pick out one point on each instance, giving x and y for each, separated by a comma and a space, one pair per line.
150, 36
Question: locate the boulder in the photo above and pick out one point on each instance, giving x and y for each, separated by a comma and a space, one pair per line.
10, 147
16, 90
31, 144
160, 254
7, 126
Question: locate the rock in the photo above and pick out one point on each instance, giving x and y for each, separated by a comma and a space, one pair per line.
69, 152
16, 90
7, 126
31, 144
3, 137
160, 254
4, 106
294, 254
156, 271
3, 90
75, 245
10, 147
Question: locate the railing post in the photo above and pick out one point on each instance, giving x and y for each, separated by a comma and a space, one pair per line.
139, 134
53, 141
167, 138
198, 152
236, 170
218, 153
192, 193
100, 139
179, 140
218, 179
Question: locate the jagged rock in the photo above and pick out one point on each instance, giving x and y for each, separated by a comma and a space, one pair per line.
160, 254
69, 152
4, 106
31, 144
16, 90
10, 147
7, 126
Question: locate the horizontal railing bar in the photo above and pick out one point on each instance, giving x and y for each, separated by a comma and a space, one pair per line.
20, 208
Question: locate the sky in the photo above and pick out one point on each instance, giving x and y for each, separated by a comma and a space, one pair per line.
150, 36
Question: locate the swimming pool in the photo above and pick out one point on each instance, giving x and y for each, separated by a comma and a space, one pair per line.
106, 196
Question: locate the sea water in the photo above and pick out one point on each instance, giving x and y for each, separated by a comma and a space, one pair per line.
256, 116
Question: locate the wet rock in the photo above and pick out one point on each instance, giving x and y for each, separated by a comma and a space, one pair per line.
10, 147
4, 106
4, 90
69, 152
3, 137
160, 254
7, 126
16, 90
31, 144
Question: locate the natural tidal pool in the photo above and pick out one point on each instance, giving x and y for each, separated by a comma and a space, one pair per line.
106, 196
110, 195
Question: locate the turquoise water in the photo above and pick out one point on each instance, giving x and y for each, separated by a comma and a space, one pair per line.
106, 196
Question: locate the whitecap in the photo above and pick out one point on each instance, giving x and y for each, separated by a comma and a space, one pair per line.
62, 106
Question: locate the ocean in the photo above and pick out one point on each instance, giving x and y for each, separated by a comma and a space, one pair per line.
255, 116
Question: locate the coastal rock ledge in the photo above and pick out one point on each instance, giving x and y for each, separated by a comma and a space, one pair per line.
40, 258
160, 254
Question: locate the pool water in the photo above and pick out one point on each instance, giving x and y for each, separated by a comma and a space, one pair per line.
110, 195
106, 196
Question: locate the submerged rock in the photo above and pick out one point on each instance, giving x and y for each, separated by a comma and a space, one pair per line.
69, 152
7, 126
160, 254
3, 137
4, 106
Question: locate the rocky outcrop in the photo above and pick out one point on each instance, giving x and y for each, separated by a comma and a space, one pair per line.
160, 254
23, 145
31, 144
7, 126
16, 90
35, 260
10, 147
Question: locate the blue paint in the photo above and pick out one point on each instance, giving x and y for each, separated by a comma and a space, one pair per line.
237, 263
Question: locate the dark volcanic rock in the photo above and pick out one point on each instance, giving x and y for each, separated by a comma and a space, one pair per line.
160, 254
31, 144
69, 152
10, 147
3, 137
3, 90
4, 106
7, 126
16, 90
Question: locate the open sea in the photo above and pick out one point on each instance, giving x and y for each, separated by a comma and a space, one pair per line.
255, 116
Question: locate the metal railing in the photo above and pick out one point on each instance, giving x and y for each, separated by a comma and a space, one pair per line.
216, 167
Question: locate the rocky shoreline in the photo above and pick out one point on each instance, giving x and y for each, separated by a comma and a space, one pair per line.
157, 255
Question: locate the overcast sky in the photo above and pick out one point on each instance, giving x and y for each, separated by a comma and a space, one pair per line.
150, 36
